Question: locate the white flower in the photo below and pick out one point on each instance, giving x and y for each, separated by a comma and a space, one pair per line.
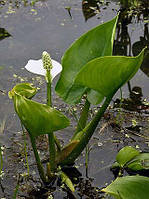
36, 67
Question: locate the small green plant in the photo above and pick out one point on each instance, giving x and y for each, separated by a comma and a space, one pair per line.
89, 71
130, 187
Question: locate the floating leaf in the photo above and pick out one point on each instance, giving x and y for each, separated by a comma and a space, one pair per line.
36, 66
95, 43
129, 187
38, 118
107, 74
126, 154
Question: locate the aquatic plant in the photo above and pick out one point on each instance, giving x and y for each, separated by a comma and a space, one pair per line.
89, 71
130, 187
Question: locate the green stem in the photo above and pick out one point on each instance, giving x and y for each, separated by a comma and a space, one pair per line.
85, 135
39, 165
51, 138
25, 151
49, 100
52, 151
83, 118
86, 159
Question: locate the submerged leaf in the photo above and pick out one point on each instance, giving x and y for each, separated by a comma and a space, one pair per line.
129, 187
95, 43
38, 118
36, 67
107, 74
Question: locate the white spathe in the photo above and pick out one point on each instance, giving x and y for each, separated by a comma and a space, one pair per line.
36, 67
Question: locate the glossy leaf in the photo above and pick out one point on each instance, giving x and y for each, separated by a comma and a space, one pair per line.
129, 187
140, 162
126, 154
95, 43
38, 118
24, 89
109, 73
36, 67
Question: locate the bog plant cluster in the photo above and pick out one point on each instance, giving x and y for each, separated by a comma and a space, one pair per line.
90, 71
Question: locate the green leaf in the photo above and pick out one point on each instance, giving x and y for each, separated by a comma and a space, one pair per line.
140, 162
109, 73
95, 43
24, 89
38, 118
125, 155
67, 181
129, 187
94, 97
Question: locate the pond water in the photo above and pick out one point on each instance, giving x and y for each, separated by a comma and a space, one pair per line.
27, 28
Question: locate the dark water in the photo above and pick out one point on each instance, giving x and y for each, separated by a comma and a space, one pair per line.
27, 29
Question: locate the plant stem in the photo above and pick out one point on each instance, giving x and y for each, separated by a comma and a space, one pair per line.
26, 153
39, 165
83, 118
86, 159
25, 149
85, 135
52, 151
49, 100
51, 138
1, 160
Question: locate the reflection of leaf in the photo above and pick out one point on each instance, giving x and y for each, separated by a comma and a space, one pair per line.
136, 48
129, 187
90, 8
3, 34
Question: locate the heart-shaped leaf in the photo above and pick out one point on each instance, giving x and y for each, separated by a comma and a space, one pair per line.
95, 43
107, 74
125, 155
38, 118
36, 67
129, 187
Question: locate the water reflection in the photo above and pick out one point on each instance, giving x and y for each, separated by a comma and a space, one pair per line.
3, 34
136, 4
130, 12
139, 45
90, 8
18, 3
124, 46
